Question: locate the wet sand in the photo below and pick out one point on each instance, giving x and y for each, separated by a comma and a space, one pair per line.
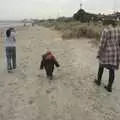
26, 94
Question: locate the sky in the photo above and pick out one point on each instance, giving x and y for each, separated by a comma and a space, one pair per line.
43, 9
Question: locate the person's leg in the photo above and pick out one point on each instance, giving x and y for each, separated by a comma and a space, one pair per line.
111, 77
100, 73
51, 73
99, 76
8, 56
14, 57
111, 80
9, 66
47, 72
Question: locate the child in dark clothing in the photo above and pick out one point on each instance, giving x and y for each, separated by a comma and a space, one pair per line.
47, 63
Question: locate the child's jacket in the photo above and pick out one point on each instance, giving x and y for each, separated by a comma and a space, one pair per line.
48, 61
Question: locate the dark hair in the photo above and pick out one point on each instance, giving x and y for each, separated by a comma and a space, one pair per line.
8, 33
11, 29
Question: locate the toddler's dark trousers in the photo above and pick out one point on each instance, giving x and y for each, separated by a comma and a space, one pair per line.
49, 72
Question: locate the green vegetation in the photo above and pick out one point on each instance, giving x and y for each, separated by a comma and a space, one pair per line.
82, 24
75, 29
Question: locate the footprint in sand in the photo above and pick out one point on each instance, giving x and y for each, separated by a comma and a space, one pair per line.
50, 90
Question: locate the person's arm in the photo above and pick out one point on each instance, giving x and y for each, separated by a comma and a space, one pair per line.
119, 36
14, 39
13, 36
42, 64
56, 63
102, 44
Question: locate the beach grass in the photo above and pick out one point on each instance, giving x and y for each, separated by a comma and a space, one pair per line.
76, 29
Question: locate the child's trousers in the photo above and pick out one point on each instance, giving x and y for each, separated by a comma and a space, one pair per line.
49, 72
11, 57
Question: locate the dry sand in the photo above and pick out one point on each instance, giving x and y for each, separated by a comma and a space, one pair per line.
26, 94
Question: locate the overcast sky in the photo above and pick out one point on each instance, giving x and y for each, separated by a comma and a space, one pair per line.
19, 9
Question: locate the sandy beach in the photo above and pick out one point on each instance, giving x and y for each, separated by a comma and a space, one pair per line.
27, 94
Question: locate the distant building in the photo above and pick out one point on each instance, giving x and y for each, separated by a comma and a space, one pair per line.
65, 19
115, 16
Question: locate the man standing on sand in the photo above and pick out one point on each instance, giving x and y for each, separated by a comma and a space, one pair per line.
109, 54
10, 47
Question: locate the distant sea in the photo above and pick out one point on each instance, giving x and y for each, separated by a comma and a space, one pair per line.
6, 24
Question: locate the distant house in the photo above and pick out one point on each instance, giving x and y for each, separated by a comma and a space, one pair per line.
115, 16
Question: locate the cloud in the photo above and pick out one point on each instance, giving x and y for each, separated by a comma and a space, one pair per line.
16, 9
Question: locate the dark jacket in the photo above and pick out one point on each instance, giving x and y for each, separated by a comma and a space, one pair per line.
48, 62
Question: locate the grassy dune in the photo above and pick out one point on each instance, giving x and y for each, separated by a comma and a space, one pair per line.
75, 29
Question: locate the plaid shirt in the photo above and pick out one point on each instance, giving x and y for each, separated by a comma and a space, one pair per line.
109, 48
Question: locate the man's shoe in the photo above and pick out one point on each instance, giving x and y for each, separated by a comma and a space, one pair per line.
97, 82
109, 89
51, 77
10, 71
14, 67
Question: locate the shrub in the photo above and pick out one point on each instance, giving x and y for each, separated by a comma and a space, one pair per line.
75, 29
